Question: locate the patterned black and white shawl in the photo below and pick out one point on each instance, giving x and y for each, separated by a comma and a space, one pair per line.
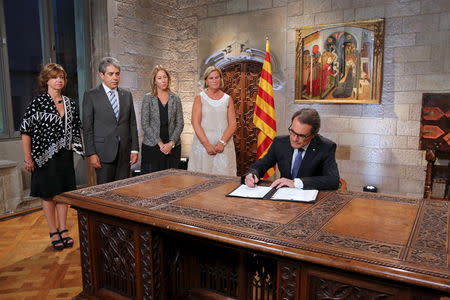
49, 131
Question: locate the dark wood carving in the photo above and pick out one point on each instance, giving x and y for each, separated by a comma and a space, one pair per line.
433, 229
241, 83
304, 227
176, 239
289, 278
196, 269
435, 139
84, 251
360, 244
219, 271
324, 289
117, 257
103, 189
176, 275
263, 271
218, 218
157, 265
147, 265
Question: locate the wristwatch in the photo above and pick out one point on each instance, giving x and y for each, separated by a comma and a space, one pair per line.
223, 142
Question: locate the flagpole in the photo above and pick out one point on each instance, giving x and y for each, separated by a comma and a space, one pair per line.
264, 116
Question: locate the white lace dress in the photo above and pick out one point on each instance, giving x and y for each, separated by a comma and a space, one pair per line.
214, 123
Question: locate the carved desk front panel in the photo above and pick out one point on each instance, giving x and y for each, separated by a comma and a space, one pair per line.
402, 239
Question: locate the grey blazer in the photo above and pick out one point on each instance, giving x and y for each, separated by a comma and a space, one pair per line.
103, 134
150, 119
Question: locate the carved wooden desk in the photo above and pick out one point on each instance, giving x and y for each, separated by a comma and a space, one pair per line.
174, 235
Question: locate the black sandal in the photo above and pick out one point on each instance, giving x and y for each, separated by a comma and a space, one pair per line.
68, 241
55, 243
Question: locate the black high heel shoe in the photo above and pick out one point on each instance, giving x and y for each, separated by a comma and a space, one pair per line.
68, 241
55, 243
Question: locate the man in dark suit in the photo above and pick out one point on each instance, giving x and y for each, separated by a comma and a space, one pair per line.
316, 166
109, 121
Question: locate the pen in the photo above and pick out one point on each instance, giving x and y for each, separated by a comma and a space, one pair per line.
255, 178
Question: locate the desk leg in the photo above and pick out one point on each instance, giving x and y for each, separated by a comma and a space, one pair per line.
85, 254
430, 156
119, 259
288, 281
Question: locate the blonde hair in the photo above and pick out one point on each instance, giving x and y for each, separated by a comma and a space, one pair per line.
208, 71
155, 71
49, 71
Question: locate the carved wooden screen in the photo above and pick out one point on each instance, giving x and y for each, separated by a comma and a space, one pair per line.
435, 125
435, 139
241, 83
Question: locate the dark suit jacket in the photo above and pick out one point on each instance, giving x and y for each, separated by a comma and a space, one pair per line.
102, 132
317, 171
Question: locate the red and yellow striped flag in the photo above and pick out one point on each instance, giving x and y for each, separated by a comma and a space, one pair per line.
264, 116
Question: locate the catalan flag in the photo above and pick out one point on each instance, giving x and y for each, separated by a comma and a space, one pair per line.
264, 116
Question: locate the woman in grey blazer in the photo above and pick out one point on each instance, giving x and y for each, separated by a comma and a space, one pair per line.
162, 123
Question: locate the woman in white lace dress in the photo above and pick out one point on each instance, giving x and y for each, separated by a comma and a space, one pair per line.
214, 123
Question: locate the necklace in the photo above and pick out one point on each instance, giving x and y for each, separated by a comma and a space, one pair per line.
214, 94
58, 101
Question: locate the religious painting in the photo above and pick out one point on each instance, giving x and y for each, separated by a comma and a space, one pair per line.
340, 63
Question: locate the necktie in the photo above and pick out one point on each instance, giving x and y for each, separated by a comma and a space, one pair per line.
297, 163
114, 103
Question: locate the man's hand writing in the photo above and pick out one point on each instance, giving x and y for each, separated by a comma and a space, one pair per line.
251, 180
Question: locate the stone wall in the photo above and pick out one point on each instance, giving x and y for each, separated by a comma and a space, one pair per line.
147, 33
377, 143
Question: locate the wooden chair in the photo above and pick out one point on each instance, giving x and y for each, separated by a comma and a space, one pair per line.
436, 173
434, 139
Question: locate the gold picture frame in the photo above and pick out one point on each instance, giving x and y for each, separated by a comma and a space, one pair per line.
340, 63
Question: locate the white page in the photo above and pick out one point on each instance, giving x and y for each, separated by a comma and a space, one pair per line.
295, 194
248, 192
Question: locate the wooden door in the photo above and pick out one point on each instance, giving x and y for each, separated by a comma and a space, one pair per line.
241, 83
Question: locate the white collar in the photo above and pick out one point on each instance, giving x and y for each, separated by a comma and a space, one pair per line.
304, 148
107, 89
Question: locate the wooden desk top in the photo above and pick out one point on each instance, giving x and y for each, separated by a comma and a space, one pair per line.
404, 239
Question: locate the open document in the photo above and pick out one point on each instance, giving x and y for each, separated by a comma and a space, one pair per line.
283, 194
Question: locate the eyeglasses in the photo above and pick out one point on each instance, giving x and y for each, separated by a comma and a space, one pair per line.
298, 135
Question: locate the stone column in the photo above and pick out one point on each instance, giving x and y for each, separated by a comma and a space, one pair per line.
10, 186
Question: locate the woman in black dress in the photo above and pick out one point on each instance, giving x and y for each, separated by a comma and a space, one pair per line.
50, 133
162, 123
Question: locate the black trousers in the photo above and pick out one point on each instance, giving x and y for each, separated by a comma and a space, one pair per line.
154, 160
